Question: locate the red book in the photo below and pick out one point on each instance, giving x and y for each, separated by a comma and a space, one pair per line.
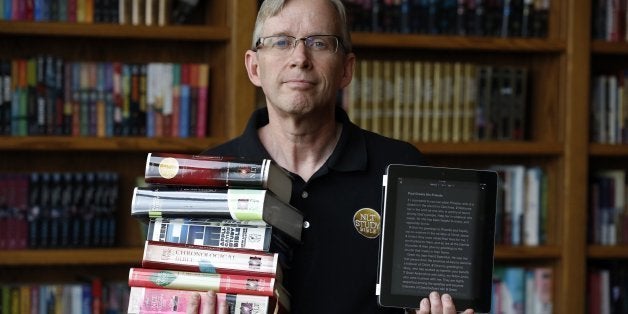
203, 83
197, 281
218, 171
197, 258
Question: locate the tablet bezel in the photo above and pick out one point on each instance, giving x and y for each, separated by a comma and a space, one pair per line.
480, 301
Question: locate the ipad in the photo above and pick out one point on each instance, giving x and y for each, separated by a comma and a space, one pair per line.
438, 234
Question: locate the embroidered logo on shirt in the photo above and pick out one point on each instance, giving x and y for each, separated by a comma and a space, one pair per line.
367, 222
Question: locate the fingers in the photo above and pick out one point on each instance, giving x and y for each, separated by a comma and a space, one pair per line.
437, 304
207, 303
194, 304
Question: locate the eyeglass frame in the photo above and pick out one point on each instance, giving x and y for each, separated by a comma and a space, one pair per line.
259, 43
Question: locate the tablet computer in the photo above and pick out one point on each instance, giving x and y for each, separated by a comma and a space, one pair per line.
438, 234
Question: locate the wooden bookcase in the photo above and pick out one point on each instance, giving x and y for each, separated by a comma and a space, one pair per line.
559, 122
219, 38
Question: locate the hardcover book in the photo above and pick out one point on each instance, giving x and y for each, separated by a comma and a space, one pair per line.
156, 301
197, 281
252, 235
237, 204
188, 257
218, 171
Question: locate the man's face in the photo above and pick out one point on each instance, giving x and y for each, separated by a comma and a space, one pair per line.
299, 80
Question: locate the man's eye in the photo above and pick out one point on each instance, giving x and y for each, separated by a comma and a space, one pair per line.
319, 44
281, 43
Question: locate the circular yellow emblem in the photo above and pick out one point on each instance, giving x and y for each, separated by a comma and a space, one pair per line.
367, 222
168, 167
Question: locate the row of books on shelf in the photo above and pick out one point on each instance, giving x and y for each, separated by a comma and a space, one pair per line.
522, 208
93, 296
607, 287
501, 18
133, 12
214, 223
608, 20
46, 95
438, 101
608, 210
520, 290
609, 108
60, 209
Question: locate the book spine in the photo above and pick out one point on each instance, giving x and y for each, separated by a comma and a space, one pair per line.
220, 203
217, 233
226, 283
208, 260
156, 301
203, 171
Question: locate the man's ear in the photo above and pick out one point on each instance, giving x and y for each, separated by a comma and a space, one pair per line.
347, 74
252, 67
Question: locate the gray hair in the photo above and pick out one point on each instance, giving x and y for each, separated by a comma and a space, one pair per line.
270, 8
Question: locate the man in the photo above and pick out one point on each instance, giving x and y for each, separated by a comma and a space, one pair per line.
301, 57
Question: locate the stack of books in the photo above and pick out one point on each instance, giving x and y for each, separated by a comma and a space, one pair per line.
214, 223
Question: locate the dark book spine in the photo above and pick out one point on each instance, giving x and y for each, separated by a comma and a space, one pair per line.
203, 171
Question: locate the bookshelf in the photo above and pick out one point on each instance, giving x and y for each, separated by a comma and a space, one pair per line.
217, 35
561, 67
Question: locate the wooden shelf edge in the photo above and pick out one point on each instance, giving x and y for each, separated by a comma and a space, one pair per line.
491, 148
115, 144
607, 252
602, 150
503, 252
100, 256
607, 47
518, 45
177, 32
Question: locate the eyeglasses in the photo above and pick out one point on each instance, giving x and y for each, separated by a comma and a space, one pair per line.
285, 43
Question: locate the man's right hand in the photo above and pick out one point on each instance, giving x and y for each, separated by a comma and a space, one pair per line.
207, 304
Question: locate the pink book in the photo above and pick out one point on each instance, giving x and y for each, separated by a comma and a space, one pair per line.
156, 300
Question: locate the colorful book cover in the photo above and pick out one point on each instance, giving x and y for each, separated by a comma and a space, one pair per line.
198, 281
187, 257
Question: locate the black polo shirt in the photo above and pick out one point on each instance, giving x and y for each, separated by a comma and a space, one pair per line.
335, 268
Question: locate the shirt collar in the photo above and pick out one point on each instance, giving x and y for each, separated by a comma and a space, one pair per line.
349, 154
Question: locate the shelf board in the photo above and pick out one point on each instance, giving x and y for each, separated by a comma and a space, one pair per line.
608, 150
117, 144
504, 252
187, 32
467, 43
491, 148
100, 256
606, 47
607, 252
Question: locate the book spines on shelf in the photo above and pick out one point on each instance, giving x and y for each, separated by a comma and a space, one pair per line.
195, 258
440, 101
198, 281
53, 210
512, 18
47, 95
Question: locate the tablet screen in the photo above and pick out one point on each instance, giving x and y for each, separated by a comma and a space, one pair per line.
437, 235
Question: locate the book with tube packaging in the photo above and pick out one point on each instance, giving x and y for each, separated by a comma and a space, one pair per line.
231, 203
218, 171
